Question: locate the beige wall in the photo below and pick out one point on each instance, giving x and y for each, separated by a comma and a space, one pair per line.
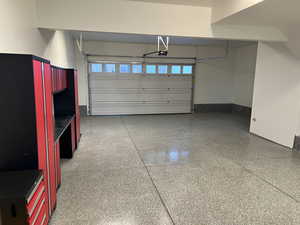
60, 49
18, 24
214, 81
81, 65
244, 63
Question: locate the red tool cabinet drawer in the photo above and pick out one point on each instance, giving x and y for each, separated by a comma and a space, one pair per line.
40, 217
38, 210
35, 196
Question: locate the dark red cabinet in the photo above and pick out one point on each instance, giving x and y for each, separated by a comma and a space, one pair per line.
59, 79
53, 71
42, 152
45, 127
49, 107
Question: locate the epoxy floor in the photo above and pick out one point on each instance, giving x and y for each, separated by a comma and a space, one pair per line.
202, 169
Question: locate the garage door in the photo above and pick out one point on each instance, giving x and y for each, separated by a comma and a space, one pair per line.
128, 88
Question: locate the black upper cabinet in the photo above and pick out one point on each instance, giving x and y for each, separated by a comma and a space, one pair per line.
18, 137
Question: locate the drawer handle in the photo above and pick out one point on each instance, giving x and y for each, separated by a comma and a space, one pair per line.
36, 201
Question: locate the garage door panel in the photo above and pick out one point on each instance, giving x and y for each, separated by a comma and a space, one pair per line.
139, 97
141, 91
140, 108
118, 93
153, 84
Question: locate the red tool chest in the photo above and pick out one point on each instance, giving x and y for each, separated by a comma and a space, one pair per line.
24, 204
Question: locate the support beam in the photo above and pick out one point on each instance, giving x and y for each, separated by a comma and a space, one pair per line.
138, 17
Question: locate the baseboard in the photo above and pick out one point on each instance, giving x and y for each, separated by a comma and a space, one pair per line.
223, 108
206, 108
240, 109
83, 110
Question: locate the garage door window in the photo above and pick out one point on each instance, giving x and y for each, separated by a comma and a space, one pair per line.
176, 69
96, 68
110, 68
187, 70
151, 69
163, 69
137, 68
124, 68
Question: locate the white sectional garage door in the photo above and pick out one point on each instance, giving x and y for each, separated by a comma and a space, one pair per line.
116, 89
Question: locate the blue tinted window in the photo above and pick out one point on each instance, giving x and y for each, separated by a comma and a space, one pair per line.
124, 68
150, 69
187, 69
110, 68
163, 69
96, 68
176, 69
137, 68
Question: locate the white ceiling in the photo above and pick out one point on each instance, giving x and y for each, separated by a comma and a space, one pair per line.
205, 3
151, 39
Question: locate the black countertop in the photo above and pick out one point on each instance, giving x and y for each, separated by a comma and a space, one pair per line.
61, 124
18, 185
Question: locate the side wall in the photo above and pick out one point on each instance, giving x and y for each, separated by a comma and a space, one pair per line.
214, 81
227, 81
275, 113
18, 22
244, 63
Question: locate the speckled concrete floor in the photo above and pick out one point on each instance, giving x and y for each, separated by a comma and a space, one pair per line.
202, 169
